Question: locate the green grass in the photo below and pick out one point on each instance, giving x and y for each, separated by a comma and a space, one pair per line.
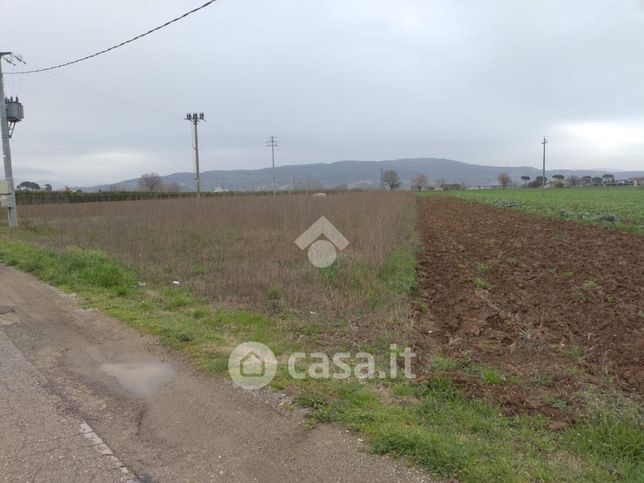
555, 402
492, 376
399, 271
575, 352
619, 207
480, 283
429, 422
481, 267
442, 363
71, 269
435, 426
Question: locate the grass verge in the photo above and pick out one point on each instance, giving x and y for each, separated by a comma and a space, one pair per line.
428, 422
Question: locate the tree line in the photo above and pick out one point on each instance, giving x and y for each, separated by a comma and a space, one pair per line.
559, 180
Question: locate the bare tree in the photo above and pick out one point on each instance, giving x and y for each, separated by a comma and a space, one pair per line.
573, 179
391, 179
505, 180
150, 182
419, 182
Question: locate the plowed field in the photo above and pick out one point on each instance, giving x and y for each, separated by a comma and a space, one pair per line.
553, 306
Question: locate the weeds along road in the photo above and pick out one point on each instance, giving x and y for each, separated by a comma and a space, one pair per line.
148, 415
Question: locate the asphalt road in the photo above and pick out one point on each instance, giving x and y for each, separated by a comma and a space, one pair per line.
83, 397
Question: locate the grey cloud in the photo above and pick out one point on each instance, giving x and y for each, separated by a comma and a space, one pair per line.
476, 81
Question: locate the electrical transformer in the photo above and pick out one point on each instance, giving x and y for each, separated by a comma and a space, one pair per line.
15, 111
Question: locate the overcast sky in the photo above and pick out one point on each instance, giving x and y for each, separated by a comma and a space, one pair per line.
475, 81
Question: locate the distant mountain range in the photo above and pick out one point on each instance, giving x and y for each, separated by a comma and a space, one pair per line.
355, 174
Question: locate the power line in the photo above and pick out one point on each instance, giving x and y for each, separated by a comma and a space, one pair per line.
101, 95
111, 98
96, 54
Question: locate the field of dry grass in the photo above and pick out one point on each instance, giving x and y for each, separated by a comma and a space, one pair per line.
239, 251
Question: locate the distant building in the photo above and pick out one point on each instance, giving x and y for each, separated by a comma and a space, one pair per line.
360, 185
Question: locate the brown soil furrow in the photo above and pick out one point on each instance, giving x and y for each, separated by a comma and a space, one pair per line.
554, 298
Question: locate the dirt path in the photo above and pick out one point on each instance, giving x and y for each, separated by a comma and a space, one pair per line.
161, 419
553, 305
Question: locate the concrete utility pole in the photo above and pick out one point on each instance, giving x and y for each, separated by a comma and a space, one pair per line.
195, 118
544, 142
6, 151
272, 143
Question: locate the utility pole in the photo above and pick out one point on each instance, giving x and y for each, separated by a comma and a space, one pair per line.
544, 142
272, 143
195, 118
9, 192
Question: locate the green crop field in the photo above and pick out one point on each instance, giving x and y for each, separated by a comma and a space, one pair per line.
618, 207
